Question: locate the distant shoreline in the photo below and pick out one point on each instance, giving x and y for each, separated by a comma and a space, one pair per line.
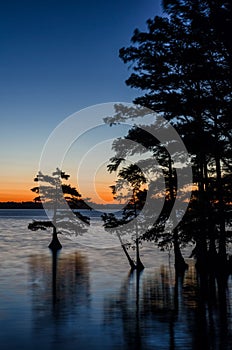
36, 205
20, 205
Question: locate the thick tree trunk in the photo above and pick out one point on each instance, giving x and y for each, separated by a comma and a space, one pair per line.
180, 264
201, 254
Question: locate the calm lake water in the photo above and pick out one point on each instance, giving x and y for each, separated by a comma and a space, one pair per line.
85, 297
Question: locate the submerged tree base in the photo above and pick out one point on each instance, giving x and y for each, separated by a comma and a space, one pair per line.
139, 265
134, 266
55, 244
180, 266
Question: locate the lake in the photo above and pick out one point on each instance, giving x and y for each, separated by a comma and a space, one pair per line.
86, 298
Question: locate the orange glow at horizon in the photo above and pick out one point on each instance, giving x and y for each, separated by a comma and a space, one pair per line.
17, 188
17, 195
97, 189
21, 193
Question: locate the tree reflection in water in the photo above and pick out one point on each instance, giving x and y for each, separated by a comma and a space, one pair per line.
160, 309
59, 283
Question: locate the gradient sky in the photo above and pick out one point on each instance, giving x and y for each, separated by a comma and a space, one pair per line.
58, 57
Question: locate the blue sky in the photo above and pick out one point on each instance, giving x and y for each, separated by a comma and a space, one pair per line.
58, 57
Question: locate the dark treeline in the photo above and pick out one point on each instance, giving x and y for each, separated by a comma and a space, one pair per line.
34, 205
20, 205
182, 66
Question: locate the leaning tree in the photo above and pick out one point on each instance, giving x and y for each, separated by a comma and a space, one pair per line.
129, 187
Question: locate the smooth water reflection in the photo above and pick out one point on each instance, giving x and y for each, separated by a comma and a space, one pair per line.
58, 285
60, 296
83, 298
158, 310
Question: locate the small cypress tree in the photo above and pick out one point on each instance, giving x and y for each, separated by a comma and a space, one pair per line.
53, 193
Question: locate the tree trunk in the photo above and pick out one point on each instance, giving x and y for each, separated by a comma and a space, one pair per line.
131, 262
180, 264
201, 249
222, 237
139, 264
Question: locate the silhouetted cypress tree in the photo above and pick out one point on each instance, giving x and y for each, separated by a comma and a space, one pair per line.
53, 193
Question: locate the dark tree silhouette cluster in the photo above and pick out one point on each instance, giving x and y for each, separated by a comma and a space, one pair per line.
182, 64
